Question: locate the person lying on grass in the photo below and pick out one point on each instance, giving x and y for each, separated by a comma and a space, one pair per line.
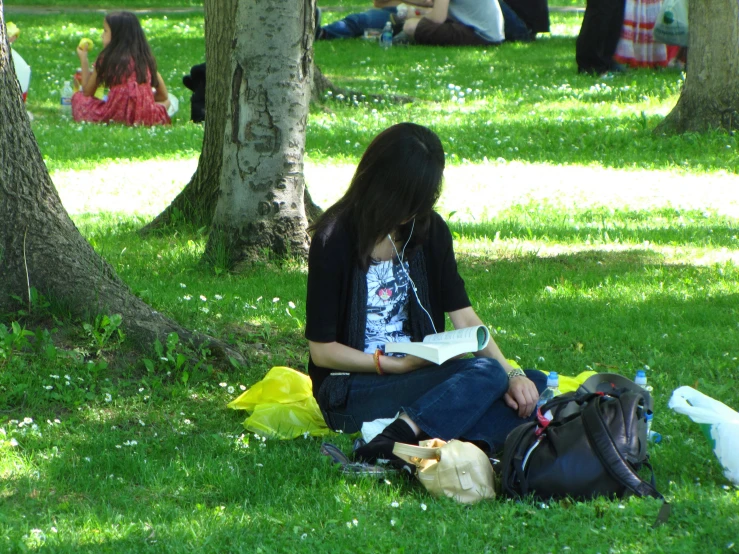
381, 269
458, 23
355, 24
127, 66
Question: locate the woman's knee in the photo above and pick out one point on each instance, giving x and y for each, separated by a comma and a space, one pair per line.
487, 371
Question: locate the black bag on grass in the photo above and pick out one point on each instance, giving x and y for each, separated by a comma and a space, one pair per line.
593, 446
195, 81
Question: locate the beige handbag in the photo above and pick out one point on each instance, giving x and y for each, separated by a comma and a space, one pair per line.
457, 469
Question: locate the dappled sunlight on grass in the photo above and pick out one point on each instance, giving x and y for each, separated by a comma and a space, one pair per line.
133, 456
585, 242
530, 93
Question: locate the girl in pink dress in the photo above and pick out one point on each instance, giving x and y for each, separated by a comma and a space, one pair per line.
128, 68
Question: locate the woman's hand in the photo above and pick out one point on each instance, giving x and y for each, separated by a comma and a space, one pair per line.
522, 395
395, 365
82, 54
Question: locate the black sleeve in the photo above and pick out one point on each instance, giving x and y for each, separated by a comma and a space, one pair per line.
452, 292
328, 265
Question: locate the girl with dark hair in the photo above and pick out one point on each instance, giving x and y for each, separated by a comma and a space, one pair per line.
126, 65
381, 269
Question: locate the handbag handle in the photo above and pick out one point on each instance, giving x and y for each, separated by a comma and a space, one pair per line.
408, 451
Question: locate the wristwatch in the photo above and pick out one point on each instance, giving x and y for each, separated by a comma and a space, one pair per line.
517, 372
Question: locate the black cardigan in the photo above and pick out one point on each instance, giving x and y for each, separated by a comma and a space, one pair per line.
334, 273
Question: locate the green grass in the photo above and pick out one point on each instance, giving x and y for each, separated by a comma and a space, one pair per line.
521, 102
153, 459
126, 454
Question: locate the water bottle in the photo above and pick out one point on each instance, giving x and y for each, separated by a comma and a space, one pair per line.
652, 436
386, 38
641, 380
66, 99
550, 392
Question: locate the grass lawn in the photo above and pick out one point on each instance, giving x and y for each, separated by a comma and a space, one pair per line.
102, 450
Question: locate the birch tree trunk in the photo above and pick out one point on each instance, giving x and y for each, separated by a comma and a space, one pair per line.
197, 201
260, 206
41, 248
710, 95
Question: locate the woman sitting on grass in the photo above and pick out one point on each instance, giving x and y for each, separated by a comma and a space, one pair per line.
382, 269
127, 66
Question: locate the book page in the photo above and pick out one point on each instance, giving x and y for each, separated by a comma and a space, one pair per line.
478, 335
437, 352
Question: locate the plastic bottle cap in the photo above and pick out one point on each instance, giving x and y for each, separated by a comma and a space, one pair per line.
641, 377
553, 379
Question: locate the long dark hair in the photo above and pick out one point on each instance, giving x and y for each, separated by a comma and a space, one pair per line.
127, 43
398, 178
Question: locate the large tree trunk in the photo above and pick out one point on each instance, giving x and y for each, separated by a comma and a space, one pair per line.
262, 186
41, 248
710, 95
197, 201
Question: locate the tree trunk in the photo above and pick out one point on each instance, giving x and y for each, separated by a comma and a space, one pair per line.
710, 95
261, 202
197, 201
41, 248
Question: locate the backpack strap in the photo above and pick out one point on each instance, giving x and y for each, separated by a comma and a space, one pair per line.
614, 462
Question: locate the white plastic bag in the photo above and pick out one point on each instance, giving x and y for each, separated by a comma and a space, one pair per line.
22, 71
671, 26
723, 423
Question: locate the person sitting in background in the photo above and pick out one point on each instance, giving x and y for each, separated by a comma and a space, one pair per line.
127, 66
599, 35
524, 18
355, 24
22, 69
637, 48
459, 23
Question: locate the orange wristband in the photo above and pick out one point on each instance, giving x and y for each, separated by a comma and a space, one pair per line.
378, 367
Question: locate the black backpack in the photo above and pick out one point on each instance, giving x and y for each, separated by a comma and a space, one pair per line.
593, 446
195, 81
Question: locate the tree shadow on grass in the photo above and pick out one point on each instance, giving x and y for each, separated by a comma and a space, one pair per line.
191, 487
189, 481
617, 309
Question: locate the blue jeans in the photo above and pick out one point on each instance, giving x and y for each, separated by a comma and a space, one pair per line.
459, 399
354, 25
515, 28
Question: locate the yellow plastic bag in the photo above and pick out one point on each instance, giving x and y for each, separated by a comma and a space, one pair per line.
569, 384
282, 406
566, 384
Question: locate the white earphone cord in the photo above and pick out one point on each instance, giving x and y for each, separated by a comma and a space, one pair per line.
413, 285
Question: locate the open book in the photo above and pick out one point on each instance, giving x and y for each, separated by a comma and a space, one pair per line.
439, 347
